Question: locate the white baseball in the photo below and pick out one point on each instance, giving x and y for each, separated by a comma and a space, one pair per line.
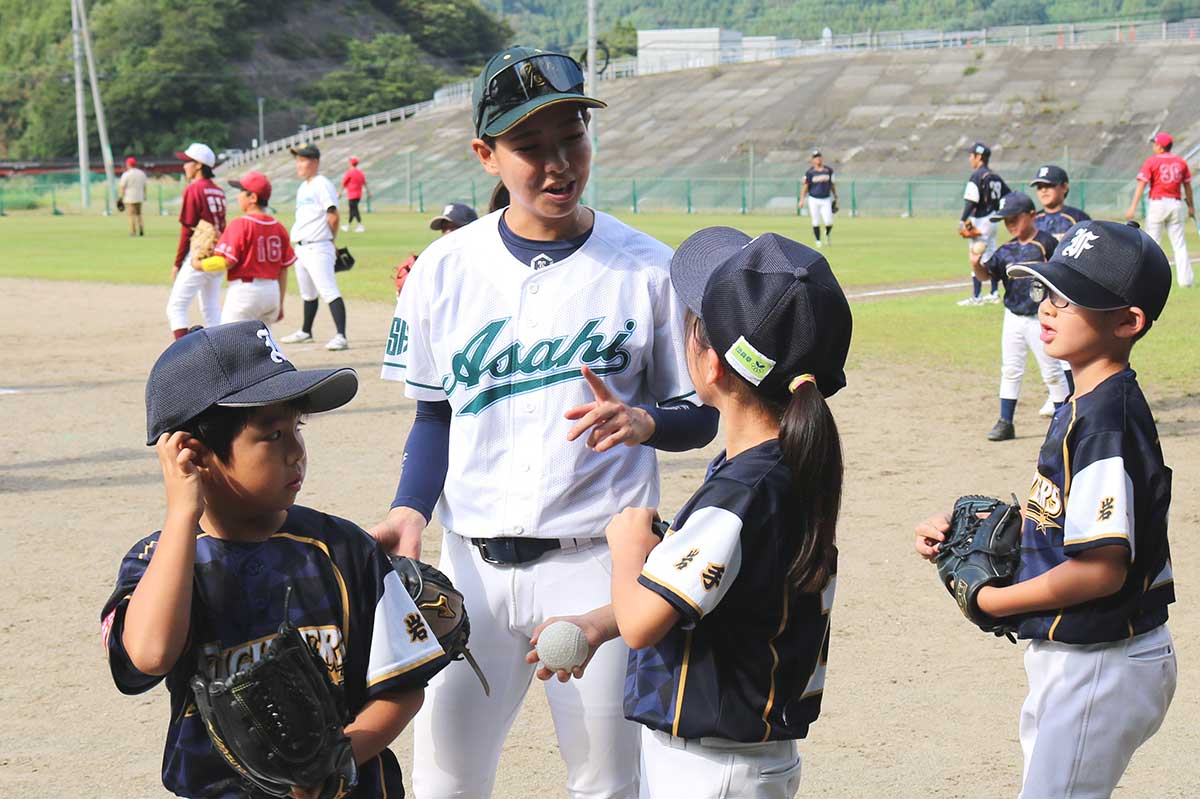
562, 646
978, 247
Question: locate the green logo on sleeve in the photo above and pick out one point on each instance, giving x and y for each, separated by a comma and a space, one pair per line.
749, 362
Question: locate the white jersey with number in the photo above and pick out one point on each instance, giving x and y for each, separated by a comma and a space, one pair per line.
504, 344
314, 198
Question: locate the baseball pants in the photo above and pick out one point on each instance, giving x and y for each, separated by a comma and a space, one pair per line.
1019, 336
256, 301
712, 768
135, 217
820, 210
987, 228
314, 271
1172, 214
459, 733
1089, 708
189, 283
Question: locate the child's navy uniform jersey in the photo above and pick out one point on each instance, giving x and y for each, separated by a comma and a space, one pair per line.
747, 660
1059, 222
345, 596
1016, 289
985, 188
1101, 481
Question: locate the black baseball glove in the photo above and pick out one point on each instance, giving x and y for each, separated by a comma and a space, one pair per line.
983, 547
279, 722
120, 205
441, 604
835, 205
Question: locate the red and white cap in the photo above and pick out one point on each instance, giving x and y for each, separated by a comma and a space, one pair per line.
255, 182
1163, 140
200, 153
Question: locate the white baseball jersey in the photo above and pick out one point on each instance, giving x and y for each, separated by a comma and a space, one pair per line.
313, 199
504, 344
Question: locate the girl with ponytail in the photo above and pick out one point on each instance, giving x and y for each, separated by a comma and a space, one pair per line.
728, 614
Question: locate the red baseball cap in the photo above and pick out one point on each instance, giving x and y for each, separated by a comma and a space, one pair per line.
1163, 139
131, 161
353, 161
255, 182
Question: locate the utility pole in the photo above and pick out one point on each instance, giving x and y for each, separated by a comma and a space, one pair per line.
261, 137
80, 111
105, 149
592, 87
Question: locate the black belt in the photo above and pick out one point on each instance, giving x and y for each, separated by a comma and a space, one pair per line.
318, 241
513, 551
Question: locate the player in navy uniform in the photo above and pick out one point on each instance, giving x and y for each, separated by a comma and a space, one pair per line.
821, 192
1095, 578
1056, 218
1021, 332
727, 617
224, 409
981, 198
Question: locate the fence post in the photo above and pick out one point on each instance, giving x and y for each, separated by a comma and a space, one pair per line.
2, 202
797, 198
853, 199
54, 200
161, 211
420, 196
743, 197
1083, 196
635, 197
910, 213
689, 195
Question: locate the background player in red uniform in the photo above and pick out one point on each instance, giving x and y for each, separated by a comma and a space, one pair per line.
1166, 174
202, 200
354, 182
257, 251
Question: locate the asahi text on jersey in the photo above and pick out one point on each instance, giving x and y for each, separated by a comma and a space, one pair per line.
515, 368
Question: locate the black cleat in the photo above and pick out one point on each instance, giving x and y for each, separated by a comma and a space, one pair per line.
1003, 431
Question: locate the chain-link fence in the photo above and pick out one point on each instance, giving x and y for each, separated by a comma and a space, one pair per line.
427, 189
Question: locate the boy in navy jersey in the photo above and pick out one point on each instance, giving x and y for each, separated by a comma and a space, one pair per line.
224, 408
1095, 579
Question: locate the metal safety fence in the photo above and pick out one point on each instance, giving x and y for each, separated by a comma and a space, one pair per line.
59, 193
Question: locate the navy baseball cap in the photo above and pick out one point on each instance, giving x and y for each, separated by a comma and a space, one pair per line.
1049, 175
519, 81
1104, 266
457, 214
979, 148
1013, 204
237, 365
772, 307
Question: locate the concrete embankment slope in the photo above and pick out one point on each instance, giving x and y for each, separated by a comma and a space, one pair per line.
879, 114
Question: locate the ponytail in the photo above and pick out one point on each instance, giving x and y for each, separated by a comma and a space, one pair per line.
812, 449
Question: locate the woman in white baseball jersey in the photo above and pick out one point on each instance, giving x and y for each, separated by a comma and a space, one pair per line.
729, 613
544, 345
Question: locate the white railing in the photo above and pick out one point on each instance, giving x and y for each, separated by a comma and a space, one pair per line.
667, 58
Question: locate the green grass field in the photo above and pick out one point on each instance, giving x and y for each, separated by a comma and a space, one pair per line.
924, 329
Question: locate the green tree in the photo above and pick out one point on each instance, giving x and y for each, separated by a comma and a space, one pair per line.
386, 72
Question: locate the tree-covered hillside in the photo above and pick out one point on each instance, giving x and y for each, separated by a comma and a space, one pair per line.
175, 70
558, 24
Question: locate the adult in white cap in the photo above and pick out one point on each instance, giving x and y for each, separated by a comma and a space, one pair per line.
203, 200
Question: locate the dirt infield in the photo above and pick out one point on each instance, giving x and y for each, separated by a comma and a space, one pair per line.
916, 699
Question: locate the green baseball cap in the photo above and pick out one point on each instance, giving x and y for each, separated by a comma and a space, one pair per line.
518, 82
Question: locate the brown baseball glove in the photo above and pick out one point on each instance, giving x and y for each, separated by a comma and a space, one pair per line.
968, 230
204, 239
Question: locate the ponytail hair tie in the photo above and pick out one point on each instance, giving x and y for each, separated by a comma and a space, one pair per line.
800, 380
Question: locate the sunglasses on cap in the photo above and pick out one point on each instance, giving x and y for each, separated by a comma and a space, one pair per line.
524, 80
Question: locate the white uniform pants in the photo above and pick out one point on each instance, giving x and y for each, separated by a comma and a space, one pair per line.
314, 271
673, 768
1018, 336
188, 283
459, 733
1172, 214
820, 210
1089, 708
246, 302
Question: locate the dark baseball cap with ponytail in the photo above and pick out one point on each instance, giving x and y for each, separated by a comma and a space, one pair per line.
776, 315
